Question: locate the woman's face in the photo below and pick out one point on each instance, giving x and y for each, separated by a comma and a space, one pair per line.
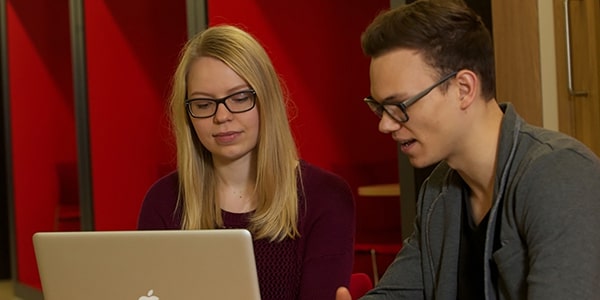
228, 136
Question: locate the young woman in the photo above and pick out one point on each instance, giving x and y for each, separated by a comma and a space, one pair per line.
238, 167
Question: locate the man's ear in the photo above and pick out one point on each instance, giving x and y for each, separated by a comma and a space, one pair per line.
468, 84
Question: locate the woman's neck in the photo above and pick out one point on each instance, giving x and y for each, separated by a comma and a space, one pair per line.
236, 186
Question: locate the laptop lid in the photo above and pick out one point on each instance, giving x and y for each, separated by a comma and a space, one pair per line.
147, 265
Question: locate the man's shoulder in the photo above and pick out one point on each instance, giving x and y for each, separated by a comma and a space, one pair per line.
440, 179
539, 143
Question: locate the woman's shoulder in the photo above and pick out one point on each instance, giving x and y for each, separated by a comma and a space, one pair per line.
319, 181
325, 194
314, 175
165, 187
158, 209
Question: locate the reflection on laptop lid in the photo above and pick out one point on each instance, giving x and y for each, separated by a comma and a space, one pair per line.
147, 265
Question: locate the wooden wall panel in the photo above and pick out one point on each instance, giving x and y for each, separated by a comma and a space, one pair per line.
517, 50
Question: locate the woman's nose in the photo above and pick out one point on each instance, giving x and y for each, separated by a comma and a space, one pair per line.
222, 114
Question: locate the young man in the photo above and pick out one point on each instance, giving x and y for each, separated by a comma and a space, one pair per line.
511, 211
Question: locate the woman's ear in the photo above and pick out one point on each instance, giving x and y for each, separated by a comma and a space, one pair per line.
468, 84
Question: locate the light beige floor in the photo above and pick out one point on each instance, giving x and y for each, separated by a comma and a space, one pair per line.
6, 290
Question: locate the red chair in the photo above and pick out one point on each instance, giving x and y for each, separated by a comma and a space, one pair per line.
378, 230
360, 284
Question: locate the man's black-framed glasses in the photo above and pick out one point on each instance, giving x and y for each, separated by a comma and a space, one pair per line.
239, 102
397, 110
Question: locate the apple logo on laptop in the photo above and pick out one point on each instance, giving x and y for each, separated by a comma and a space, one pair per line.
149, 297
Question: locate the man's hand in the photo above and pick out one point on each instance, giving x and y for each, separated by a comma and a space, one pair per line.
342, 293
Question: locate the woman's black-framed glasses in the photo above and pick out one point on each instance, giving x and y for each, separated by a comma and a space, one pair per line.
239, 102
397, 110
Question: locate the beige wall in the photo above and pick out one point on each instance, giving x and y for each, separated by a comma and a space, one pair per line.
548, 65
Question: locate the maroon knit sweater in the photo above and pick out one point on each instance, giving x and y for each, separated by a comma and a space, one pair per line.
310, 267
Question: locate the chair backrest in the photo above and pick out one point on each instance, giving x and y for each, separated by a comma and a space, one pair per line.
360, 284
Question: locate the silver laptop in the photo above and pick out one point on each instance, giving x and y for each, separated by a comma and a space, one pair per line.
147, 265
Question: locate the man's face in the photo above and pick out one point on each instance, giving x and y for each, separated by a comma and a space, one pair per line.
430, 135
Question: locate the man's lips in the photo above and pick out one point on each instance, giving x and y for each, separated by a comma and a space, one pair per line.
405, 144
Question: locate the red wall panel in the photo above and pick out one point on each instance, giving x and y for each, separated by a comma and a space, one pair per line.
132, 48
42, 118
315, 46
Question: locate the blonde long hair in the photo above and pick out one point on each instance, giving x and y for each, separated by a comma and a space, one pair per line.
276, 188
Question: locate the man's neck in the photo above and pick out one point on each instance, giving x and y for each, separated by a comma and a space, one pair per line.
476, 163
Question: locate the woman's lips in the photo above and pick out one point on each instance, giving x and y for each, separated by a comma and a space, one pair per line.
226, 137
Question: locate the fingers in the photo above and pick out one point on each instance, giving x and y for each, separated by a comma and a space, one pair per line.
342, 293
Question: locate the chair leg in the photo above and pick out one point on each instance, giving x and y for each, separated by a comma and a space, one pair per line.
374, 263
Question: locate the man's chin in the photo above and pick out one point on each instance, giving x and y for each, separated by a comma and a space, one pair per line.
420, 163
